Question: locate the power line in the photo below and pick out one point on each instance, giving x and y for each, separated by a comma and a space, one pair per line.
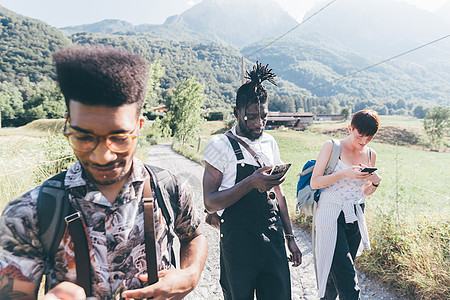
381, 62
292, 29
422, 188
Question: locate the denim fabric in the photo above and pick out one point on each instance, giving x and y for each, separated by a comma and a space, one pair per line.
252, 248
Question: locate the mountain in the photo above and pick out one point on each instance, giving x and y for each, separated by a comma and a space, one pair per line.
235, 22
173, 32
26, 46
106, 27
324, 69
383, 28
317, 67
444, 11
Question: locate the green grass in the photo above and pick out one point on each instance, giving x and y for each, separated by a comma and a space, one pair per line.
408, 216
405, 122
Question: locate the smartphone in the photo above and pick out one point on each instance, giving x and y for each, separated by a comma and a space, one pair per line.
280, 169
369, 169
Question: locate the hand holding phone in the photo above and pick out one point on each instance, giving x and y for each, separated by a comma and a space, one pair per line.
280, 169
369, 169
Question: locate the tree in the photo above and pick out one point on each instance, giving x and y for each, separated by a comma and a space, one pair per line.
185, 116
420, 112
156, 71
436, 124
346, 112
11, 105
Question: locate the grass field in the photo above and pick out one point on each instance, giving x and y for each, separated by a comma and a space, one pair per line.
408, 216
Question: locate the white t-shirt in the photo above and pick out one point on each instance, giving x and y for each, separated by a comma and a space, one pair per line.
220, 154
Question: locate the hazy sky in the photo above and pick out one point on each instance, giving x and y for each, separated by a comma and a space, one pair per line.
61, 13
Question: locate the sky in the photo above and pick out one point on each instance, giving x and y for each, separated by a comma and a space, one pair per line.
59, 13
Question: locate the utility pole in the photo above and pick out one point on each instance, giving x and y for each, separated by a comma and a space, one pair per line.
242, 70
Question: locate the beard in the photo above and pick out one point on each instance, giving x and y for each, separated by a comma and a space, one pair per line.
247, 133
103, 182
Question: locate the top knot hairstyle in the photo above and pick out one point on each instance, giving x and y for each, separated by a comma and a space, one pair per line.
99, 75
253, 91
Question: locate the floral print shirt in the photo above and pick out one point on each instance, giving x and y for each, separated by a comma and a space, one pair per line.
115, 231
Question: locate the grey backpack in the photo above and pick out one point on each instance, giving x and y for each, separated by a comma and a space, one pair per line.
308, 197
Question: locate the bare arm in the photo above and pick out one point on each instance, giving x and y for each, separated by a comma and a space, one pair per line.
176, 283
11, 288
368, 188
287, 227
215, 200
66, 291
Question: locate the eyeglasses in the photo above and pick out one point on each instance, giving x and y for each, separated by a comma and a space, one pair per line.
86, 142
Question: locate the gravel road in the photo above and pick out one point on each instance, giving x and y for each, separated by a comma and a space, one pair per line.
302, 278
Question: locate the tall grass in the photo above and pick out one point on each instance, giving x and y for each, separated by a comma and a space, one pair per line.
408, 216
28, 161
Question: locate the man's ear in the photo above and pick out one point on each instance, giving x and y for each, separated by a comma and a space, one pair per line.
141, 122
236, 112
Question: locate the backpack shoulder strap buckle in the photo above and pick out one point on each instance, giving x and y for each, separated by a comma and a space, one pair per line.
72, 217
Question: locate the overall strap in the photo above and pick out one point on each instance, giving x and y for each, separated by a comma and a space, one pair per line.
247, 147
81, 249
149, 234
236, 148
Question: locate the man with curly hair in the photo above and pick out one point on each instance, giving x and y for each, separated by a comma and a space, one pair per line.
252, 220
104, 90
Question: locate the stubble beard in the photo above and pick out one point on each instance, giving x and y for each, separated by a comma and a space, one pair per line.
248, 134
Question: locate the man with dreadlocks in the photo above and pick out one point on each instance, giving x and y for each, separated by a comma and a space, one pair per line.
252, 251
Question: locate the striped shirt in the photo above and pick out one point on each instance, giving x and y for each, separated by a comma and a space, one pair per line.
343, 195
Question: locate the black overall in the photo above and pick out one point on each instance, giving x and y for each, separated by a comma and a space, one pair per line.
252, 251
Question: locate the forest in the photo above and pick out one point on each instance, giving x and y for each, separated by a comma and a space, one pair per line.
28, 90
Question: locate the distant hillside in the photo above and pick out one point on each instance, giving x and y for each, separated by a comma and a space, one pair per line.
213, 65
444, 12
235, 22
105, 27
309, 64
312, 66
173, 32
383, 28
26, 45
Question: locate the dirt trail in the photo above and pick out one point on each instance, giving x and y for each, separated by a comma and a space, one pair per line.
302, 278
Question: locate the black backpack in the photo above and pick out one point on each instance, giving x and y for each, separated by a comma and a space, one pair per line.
53, 210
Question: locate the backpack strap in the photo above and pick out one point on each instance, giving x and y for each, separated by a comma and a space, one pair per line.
334, 157
54, 212
51, 210
81, 249
166, 190
149, 234
331, 165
